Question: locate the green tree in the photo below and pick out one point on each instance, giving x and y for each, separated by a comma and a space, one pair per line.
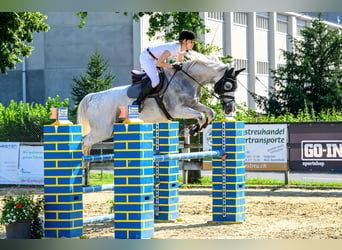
93, 80
16, 33
312, 74
172, 23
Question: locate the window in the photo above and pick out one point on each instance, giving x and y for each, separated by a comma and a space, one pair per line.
300, 26
263, 68
282, 22
281, 65
216, 15
262, 20
241, 63
240, 18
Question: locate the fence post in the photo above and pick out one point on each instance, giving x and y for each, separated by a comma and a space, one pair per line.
133, 180
228, 178
166, 201
63, 181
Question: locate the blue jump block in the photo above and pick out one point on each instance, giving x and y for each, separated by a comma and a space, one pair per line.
230, 218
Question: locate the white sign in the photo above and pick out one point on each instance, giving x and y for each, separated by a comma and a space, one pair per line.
31, 165
265, 146
9, 152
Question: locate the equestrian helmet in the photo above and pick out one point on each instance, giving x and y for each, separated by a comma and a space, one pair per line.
187, 35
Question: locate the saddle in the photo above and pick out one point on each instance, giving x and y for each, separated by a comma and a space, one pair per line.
140, 79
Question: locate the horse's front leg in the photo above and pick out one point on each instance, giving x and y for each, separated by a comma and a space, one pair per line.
202, 114
208, 114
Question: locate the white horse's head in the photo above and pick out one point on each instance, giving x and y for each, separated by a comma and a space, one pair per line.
209, 69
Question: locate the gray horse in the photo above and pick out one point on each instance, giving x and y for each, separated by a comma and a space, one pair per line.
98, 111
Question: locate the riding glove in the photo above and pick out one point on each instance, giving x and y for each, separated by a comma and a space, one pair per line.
177, 66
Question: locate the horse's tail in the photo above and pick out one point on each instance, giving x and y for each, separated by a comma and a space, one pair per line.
82, 117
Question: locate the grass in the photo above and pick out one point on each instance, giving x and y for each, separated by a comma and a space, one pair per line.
101, 178
269, 182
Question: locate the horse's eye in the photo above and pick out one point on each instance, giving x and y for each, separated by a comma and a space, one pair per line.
228, 86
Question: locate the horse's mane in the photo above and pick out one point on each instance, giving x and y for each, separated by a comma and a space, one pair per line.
193, 57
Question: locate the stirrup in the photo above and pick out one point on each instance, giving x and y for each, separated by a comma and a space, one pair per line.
140, 105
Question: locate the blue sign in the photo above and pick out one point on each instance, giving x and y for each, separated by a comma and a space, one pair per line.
62, 114
133, 111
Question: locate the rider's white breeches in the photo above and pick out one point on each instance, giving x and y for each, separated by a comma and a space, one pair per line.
148, 64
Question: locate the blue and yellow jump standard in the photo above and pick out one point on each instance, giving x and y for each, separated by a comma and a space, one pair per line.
166, 201
228, 177
63, 180
133, 180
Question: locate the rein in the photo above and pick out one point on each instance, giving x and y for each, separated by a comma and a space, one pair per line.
186, 73
219, 83
159, 99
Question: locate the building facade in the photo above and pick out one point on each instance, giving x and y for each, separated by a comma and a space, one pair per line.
255, 41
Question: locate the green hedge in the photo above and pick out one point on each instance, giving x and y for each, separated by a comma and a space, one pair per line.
24, 122
306, 115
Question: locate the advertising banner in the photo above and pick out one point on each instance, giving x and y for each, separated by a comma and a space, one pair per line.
315, 146
9, 152
266, 146
31, 165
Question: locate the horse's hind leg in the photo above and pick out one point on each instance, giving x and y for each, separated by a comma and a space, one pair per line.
86, 165
94, 137
86, 151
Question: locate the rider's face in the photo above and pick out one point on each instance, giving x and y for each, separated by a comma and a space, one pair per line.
189, 44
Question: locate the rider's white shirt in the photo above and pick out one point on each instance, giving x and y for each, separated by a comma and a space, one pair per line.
173, 48
147, 62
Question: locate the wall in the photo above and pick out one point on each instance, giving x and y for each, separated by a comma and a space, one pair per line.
63, 52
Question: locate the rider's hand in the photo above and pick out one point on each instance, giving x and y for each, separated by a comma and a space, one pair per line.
177, 66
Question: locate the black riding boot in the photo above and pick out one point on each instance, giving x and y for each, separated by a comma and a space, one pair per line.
144, 92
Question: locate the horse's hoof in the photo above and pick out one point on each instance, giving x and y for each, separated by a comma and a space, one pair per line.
194, 129
193, 133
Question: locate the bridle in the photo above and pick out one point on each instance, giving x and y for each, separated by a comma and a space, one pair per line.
221, 87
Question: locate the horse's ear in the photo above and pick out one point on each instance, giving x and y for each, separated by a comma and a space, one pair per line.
239, 71
230, 71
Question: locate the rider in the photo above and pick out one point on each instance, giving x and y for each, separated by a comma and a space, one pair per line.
154, 57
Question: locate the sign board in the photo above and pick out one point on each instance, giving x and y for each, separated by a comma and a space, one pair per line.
265, 146
31, 165
62, 113
9, 152
133, 111
21, 164
315, 146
